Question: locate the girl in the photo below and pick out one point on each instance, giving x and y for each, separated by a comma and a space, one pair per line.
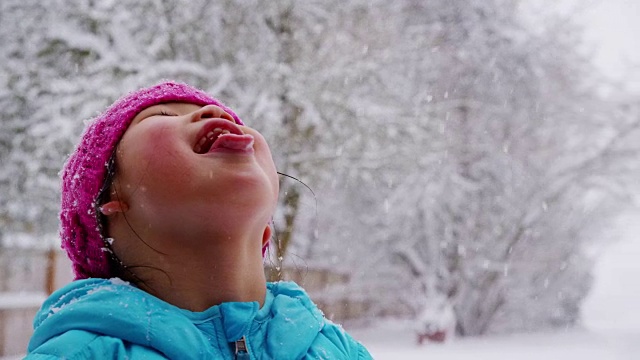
165, 210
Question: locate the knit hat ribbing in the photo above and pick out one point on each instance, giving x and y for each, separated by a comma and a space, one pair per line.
84, 173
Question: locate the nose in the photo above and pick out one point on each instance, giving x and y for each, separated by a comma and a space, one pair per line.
211, 112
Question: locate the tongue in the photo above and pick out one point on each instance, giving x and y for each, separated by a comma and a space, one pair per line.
233, 142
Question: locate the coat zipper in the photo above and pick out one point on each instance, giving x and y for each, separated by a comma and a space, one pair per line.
242, 352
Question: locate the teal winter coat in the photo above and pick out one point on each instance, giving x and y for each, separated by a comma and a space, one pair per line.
110, 319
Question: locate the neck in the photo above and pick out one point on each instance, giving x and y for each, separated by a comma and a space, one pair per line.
216, 271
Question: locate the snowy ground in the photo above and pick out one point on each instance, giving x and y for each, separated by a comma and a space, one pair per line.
611, 317
392, 340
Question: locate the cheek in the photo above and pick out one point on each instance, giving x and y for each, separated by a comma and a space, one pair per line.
266, 162
153, 163
157, 142
275, 181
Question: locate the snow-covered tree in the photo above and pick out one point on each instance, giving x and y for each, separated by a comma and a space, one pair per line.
507, 145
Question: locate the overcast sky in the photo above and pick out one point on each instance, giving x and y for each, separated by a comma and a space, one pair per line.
612, 33
612, 28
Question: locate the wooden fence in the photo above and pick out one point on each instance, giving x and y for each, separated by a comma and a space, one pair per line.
329, 289
27, 276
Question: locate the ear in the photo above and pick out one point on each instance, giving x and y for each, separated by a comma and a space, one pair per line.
266, 235
113, 207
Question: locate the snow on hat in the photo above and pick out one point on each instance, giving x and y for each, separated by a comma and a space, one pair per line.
84, 173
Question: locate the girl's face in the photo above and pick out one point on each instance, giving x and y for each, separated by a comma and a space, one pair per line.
183, 169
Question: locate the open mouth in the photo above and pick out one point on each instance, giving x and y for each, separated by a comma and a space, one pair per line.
220, 134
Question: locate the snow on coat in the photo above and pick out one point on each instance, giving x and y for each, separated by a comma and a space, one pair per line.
99, 319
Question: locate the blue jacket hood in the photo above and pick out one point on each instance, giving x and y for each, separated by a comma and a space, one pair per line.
287, 326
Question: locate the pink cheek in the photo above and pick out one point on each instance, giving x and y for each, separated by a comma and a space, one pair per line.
162, 143
157, 157
167, 164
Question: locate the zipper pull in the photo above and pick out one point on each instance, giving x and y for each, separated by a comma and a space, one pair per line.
242, 352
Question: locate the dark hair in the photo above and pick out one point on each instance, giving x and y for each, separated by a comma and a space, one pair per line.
117, 267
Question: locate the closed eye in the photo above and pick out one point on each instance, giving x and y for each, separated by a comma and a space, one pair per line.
153, 111
165, 113
154, 114
159, 113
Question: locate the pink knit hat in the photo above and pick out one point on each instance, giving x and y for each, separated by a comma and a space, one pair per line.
84, 173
